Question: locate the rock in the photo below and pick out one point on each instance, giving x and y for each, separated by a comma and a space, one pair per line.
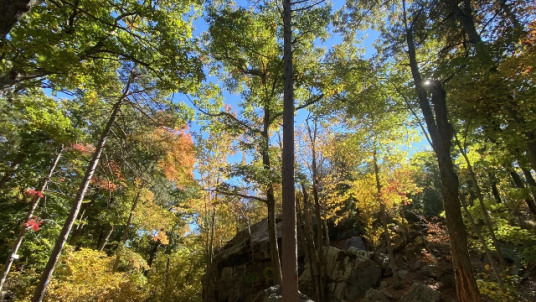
355, 242
418, 265
383, 285
433, 271
403, 274
242, 268
373, 295
383, 261
350, 275
421, 293
274, 294
360, 253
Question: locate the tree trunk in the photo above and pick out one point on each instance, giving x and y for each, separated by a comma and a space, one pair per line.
530, 181
383, 217
306, 245
166, 283
40, 290
13, 167
494, 189
29, 215
441, 134
124, 237
319, 222
483, 209
104, 242
11, 11
520, 185
311, 245
79, 227
270, 200
152, 257
272, 236
290, 250
465, 16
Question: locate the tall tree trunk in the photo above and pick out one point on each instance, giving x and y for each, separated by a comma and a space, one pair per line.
270, 200
530, 180
29, 215
13, 167
290, 241
78, 229
272, 236
319, 222
166, 283
124, 237
441, 134
306, 245
520, 185
480, 197
311, 244
104, 242
11, 11
494, 189
40, 290
383, 217
152, 257
465, 16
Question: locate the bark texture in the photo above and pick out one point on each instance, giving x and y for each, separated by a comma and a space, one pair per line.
270, 200
31, 211
441, 134
11, 11
290, 240
40, 290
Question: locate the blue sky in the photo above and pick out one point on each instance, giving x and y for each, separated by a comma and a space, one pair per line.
369, 38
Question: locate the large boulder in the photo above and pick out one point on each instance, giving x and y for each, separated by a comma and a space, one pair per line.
373, 295
274, 294
349, 274
421, 293
432, 271
242, 268
355, 242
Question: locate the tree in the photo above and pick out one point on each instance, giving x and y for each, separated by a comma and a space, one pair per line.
12, 12
49, 269
441, 133
290, 242
246, 53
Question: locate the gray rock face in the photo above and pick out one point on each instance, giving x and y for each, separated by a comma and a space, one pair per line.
421, 293
432, 271
403, 274
355, 242
349, 273
373, 295
274, 294
242, 267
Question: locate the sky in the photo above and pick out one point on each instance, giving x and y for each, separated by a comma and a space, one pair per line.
368, 38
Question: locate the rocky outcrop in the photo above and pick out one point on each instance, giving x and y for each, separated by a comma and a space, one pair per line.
421, 293
349, 274
274, 294
242, 268
373, 295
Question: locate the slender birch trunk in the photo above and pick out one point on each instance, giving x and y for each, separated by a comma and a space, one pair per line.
124, 237
40, 290
31, 211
